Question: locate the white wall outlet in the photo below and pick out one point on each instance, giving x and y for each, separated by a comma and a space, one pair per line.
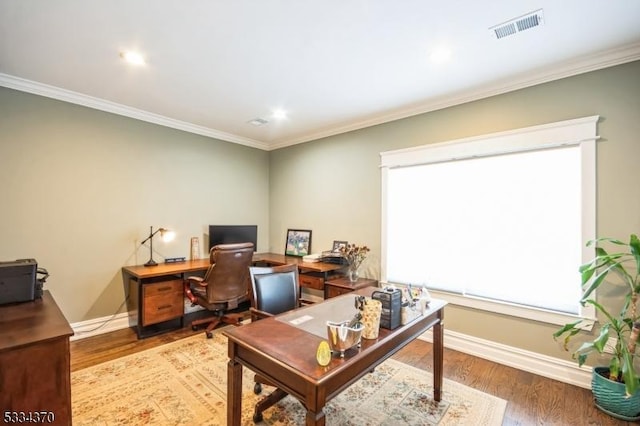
610, 346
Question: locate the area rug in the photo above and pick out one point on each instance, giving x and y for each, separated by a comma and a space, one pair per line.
184, 383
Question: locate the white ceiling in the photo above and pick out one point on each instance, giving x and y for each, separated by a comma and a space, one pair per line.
333, 65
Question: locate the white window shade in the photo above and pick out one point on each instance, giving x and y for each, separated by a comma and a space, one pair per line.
503, 218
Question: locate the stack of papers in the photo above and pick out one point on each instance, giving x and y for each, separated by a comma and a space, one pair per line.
312, 257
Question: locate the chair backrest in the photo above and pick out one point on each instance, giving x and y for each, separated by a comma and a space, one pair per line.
228, 276
275, 289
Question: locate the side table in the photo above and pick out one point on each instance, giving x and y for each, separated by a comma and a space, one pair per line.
341, 285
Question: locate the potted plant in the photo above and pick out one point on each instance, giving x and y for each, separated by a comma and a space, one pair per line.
616, 386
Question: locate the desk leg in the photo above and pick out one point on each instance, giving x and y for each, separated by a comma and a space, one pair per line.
315, 419
234, 393
316, 398
438, 353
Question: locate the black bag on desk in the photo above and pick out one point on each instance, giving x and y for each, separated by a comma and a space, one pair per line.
391, 304
19, 281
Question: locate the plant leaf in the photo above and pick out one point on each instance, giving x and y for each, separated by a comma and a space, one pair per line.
628, 373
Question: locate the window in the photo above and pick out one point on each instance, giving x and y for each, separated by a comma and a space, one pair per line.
497, 222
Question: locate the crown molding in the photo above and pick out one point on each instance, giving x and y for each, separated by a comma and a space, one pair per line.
622, 55
578, 66
53, 92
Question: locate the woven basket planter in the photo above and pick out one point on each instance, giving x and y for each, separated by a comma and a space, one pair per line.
610, 397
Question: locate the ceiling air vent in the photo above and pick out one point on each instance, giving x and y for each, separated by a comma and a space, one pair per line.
514, 26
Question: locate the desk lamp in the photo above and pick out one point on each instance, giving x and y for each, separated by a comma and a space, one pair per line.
166, 236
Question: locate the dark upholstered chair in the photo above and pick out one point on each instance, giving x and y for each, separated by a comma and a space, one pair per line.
224, 286
275, 290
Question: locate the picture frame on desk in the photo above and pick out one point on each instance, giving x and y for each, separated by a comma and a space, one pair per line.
337, 245
298, 242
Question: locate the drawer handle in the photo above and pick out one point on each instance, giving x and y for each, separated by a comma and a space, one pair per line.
164, 288
164, 307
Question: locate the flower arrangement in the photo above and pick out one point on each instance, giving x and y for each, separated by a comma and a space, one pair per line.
354, 254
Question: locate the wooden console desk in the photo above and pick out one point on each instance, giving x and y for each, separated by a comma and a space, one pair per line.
156, 298
35, 375
265, 348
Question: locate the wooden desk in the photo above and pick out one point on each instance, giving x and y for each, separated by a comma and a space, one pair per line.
156, 297
265, 347
35, 375
280, 259
312, 274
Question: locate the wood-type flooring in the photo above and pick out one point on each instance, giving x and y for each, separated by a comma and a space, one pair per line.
532, 399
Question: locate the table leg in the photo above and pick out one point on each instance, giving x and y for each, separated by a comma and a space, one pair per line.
315, 419
438, 353
234, 393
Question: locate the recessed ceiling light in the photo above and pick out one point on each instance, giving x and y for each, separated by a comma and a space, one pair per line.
279, 114
440, 55
132, 57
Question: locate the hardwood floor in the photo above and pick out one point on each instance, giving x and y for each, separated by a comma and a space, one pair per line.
532, 399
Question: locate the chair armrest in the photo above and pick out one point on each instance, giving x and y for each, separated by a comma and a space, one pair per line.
187, 288
197, 280
257, 314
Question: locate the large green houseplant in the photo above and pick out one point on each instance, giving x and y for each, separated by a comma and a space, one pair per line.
623, 325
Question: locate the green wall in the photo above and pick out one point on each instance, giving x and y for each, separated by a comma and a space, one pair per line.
332, 186
81, 187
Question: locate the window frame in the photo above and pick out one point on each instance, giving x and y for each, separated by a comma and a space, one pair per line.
581, 131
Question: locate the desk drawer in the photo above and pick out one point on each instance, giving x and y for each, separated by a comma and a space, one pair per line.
162, 301
311, 281
161, 287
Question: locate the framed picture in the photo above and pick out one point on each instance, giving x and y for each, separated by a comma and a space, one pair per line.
337, 245
298, 242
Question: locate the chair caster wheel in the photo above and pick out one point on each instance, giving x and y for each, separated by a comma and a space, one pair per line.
209, 334
257, 417
257, 388
194, 327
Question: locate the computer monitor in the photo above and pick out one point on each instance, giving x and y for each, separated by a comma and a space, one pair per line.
229, 234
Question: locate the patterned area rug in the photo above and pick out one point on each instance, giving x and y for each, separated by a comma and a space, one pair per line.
184, 383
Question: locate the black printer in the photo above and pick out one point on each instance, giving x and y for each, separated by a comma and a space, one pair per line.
21, 281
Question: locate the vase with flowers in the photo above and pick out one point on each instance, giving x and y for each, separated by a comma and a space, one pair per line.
354, 255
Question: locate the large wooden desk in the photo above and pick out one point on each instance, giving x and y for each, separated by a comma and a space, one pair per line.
35, 376
156, 299
266, 348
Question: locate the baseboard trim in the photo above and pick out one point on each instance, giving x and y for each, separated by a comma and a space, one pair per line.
97, 326
532, 362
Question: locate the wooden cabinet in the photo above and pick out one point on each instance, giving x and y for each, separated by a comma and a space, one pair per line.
156, 304
341, 285
156, 299
35, 375
162, 301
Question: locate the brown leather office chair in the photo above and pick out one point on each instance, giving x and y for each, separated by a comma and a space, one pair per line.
274, 290
224, 286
